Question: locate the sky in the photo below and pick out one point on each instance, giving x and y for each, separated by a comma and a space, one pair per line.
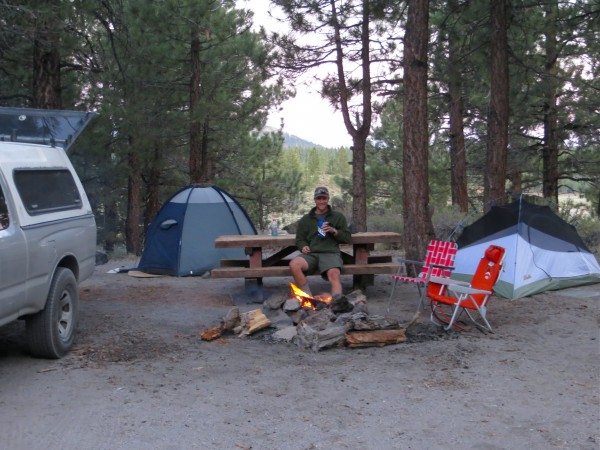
307, 115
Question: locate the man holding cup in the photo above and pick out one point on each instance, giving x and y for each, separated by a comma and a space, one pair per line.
318, 238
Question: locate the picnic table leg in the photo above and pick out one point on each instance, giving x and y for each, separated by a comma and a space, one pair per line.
254, 289
361, 256
254, 286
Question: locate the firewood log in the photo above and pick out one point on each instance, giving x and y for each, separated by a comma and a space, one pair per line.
374, 338
253, 321
232, 319
211, 334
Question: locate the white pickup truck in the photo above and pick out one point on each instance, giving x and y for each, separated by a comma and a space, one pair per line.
47, 228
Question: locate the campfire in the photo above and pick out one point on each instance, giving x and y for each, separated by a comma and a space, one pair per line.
313, 322
307, 301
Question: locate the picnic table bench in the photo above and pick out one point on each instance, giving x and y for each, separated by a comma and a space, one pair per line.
359, 262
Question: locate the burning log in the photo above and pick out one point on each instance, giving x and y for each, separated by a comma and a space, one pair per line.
307, 301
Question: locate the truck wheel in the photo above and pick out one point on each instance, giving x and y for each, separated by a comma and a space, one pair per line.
50, 332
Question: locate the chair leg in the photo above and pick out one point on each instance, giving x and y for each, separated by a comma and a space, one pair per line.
389, 302
445, 320
457, 310
422, 296
422, 292
482, 310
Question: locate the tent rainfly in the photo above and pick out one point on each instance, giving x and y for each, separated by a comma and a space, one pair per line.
543, 252
181, 239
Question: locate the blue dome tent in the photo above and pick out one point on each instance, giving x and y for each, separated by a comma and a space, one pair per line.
181, 239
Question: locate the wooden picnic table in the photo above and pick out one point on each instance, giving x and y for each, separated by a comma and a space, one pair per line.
359, 262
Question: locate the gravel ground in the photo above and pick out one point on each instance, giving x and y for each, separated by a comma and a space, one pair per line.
139, 376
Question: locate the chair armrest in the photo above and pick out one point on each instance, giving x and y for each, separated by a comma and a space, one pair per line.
447, 281
441, 280
466, 289
409, 261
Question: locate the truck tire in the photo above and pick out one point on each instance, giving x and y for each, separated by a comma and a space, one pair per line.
51, 332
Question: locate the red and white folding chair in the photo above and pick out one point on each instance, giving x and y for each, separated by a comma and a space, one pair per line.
439, 262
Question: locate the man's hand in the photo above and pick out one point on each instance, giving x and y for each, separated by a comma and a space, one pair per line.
305, 249
329, 229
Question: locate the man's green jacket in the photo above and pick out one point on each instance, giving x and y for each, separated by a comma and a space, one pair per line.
307, 232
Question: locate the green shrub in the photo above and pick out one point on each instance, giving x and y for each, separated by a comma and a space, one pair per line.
589, 230
445, 220
385, 220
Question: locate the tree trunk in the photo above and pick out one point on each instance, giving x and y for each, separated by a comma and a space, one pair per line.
359, 133
497, 144
550, 142
458, 159
195, 162
153, 188
418, 229
111, 225
207, 174
359, 186
516, 181
133, 241
46, 66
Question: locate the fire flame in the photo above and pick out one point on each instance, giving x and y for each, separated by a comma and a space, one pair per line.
307, 301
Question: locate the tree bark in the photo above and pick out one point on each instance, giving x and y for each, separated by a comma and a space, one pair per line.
207, 174
153, 187
516, 181
497, 144
360, 132
458, 159
46, 65
195, 161
418, 229
550, 141
133, 242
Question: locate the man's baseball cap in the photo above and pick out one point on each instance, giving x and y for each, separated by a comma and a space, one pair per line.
321, 191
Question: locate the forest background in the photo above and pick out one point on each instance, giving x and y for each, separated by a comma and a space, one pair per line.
451, 106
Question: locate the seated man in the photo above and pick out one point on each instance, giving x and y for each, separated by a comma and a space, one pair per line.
318, 237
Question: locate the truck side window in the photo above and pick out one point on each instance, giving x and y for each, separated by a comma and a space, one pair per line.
3, 211
47, 190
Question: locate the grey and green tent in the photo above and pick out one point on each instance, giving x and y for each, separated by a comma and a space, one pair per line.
543, 252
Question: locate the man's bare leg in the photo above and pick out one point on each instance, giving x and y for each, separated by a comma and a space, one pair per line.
334, 277
298, 266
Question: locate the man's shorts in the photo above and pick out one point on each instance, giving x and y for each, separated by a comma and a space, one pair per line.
323, 262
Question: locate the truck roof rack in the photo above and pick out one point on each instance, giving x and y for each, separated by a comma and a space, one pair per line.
57, 128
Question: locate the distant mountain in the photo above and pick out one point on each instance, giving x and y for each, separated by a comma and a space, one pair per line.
294, 141
289, 140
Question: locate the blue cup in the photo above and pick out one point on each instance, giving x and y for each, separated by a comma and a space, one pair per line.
322, 234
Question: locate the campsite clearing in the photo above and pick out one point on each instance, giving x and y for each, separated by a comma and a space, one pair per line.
140, 377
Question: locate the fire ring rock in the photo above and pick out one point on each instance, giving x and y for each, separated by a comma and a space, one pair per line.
340, 305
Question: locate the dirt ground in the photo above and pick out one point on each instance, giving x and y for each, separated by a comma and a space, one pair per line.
139, 377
